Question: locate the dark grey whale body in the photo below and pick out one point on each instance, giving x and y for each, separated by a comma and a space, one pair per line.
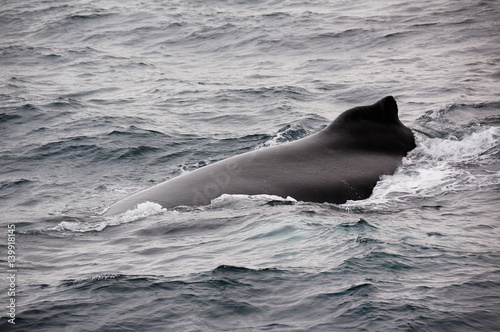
342, 162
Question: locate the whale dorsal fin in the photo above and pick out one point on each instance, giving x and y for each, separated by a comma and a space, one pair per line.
375, 127
383, 111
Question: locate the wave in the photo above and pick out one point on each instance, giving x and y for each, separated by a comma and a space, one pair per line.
147, 209
288, 133
14, 183
98, 224
239, 298
246, 201
458, 119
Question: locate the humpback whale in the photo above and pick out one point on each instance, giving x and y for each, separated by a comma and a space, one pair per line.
342, 162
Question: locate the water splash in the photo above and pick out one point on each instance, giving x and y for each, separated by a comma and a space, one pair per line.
437, 166
142, 210
240, 200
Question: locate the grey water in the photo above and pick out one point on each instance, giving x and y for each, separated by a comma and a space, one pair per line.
99, 99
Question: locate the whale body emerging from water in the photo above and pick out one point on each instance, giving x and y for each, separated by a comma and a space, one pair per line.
342, 162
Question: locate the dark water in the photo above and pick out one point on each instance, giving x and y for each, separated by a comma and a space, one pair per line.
102, 98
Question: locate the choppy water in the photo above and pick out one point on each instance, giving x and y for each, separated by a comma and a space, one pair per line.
99, 99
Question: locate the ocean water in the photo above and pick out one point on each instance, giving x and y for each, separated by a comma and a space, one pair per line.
99, 99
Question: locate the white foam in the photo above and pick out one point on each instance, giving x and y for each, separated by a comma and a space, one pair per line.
246, 200
435, 167
142, 210
468, 148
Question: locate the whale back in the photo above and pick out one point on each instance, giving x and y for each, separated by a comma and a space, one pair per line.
344, 161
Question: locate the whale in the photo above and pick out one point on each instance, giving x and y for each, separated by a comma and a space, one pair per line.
344, 161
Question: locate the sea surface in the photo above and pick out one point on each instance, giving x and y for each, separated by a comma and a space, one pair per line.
100, 99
